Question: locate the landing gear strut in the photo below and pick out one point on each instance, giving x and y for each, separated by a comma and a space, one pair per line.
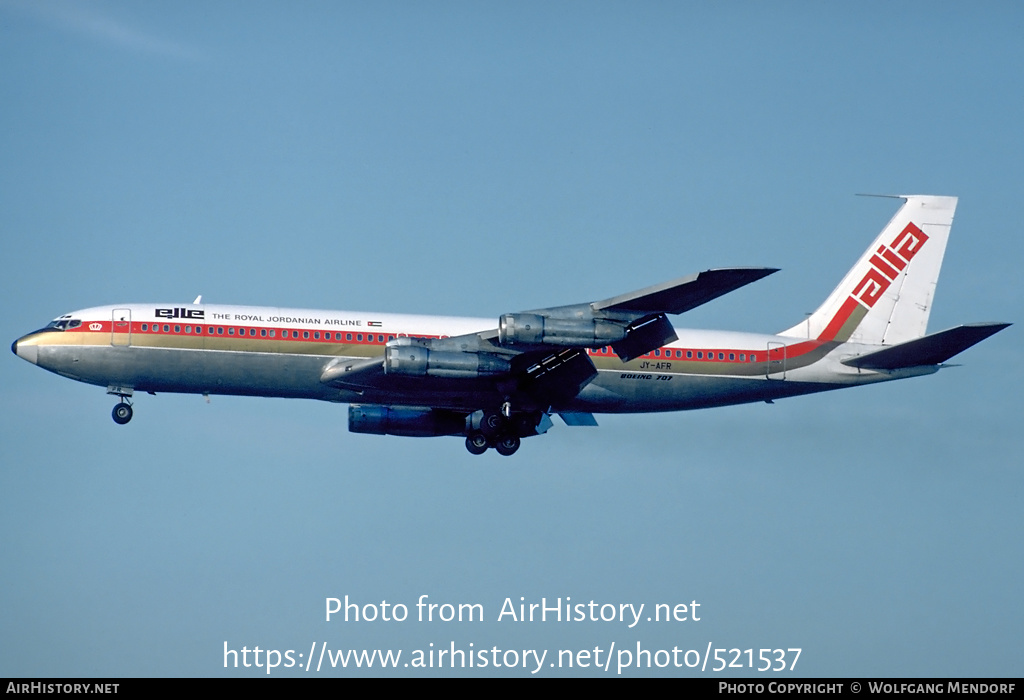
122, 412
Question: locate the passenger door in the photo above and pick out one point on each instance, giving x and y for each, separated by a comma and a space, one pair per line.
776, 361
121, 327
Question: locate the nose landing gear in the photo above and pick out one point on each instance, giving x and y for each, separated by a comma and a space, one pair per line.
122, 412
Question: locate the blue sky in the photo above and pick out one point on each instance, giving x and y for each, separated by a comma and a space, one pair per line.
475, 159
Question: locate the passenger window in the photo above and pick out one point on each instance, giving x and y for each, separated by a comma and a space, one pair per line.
263, 332
252, 331
305, 334
689, 354
316, 335
231, 331
348, 336
145, 326
700, 355
359, 337
732, 356
220, 330
188, 329
743, 357
167, 328
721, 356
272, 332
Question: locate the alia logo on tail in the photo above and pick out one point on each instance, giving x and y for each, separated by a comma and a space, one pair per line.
899, 253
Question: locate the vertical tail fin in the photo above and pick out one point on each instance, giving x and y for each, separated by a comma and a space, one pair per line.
886, 297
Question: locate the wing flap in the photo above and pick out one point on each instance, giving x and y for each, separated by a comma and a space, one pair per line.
932, 349
559, 376
575, 419
645, 335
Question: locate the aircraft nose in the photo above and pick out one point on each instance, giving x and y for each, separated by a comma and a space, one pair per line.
25, 351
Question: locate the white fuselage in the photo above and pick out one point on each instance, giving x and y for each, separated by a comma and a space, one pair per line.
269, 351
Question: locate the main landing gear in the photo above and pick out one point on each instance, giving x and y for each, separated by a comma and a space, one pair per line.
478, 443
500, 430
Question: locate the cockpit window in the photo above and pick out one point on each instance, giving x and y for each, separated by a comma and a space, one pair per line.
62, 324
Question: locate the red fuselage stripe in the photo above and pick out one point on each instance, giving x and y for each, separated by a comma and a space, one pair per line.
350, 338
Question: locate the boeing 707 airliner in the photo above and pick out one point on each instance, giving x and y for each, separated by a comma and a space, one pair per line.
427, 376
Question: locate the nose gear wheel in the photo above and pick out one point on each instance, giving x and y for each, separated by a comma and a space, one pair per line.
122, 413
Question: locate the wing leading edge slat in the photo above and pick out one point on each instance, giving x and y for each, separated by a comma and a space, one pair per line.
686, 293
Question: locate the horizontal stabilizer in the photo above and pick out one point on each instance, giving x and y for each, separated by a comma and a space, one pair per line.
578, 419
930, 350
684, 293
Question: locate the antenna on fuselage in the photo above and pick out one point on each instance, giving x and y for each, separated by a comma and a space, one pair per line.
199, 299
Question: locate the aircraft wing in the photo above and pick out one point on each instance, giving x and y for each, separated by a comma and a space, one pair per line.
685, 293
633, 323
538, 357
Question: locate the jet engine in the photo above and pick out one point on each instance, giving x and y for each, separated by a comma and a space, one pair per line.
419, 361
534, 329
407, 421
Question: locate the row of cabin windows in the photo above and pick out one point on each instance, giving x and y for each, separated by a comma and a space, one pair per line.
369, 338
267, 333
691, 354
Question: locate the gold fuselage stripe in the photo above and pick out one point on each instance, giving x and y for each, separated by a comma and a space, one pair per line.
238, 338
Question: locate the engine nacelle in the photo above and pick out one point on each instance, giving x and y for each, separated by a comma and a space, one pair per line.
419, 361
407, 421
534, 329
